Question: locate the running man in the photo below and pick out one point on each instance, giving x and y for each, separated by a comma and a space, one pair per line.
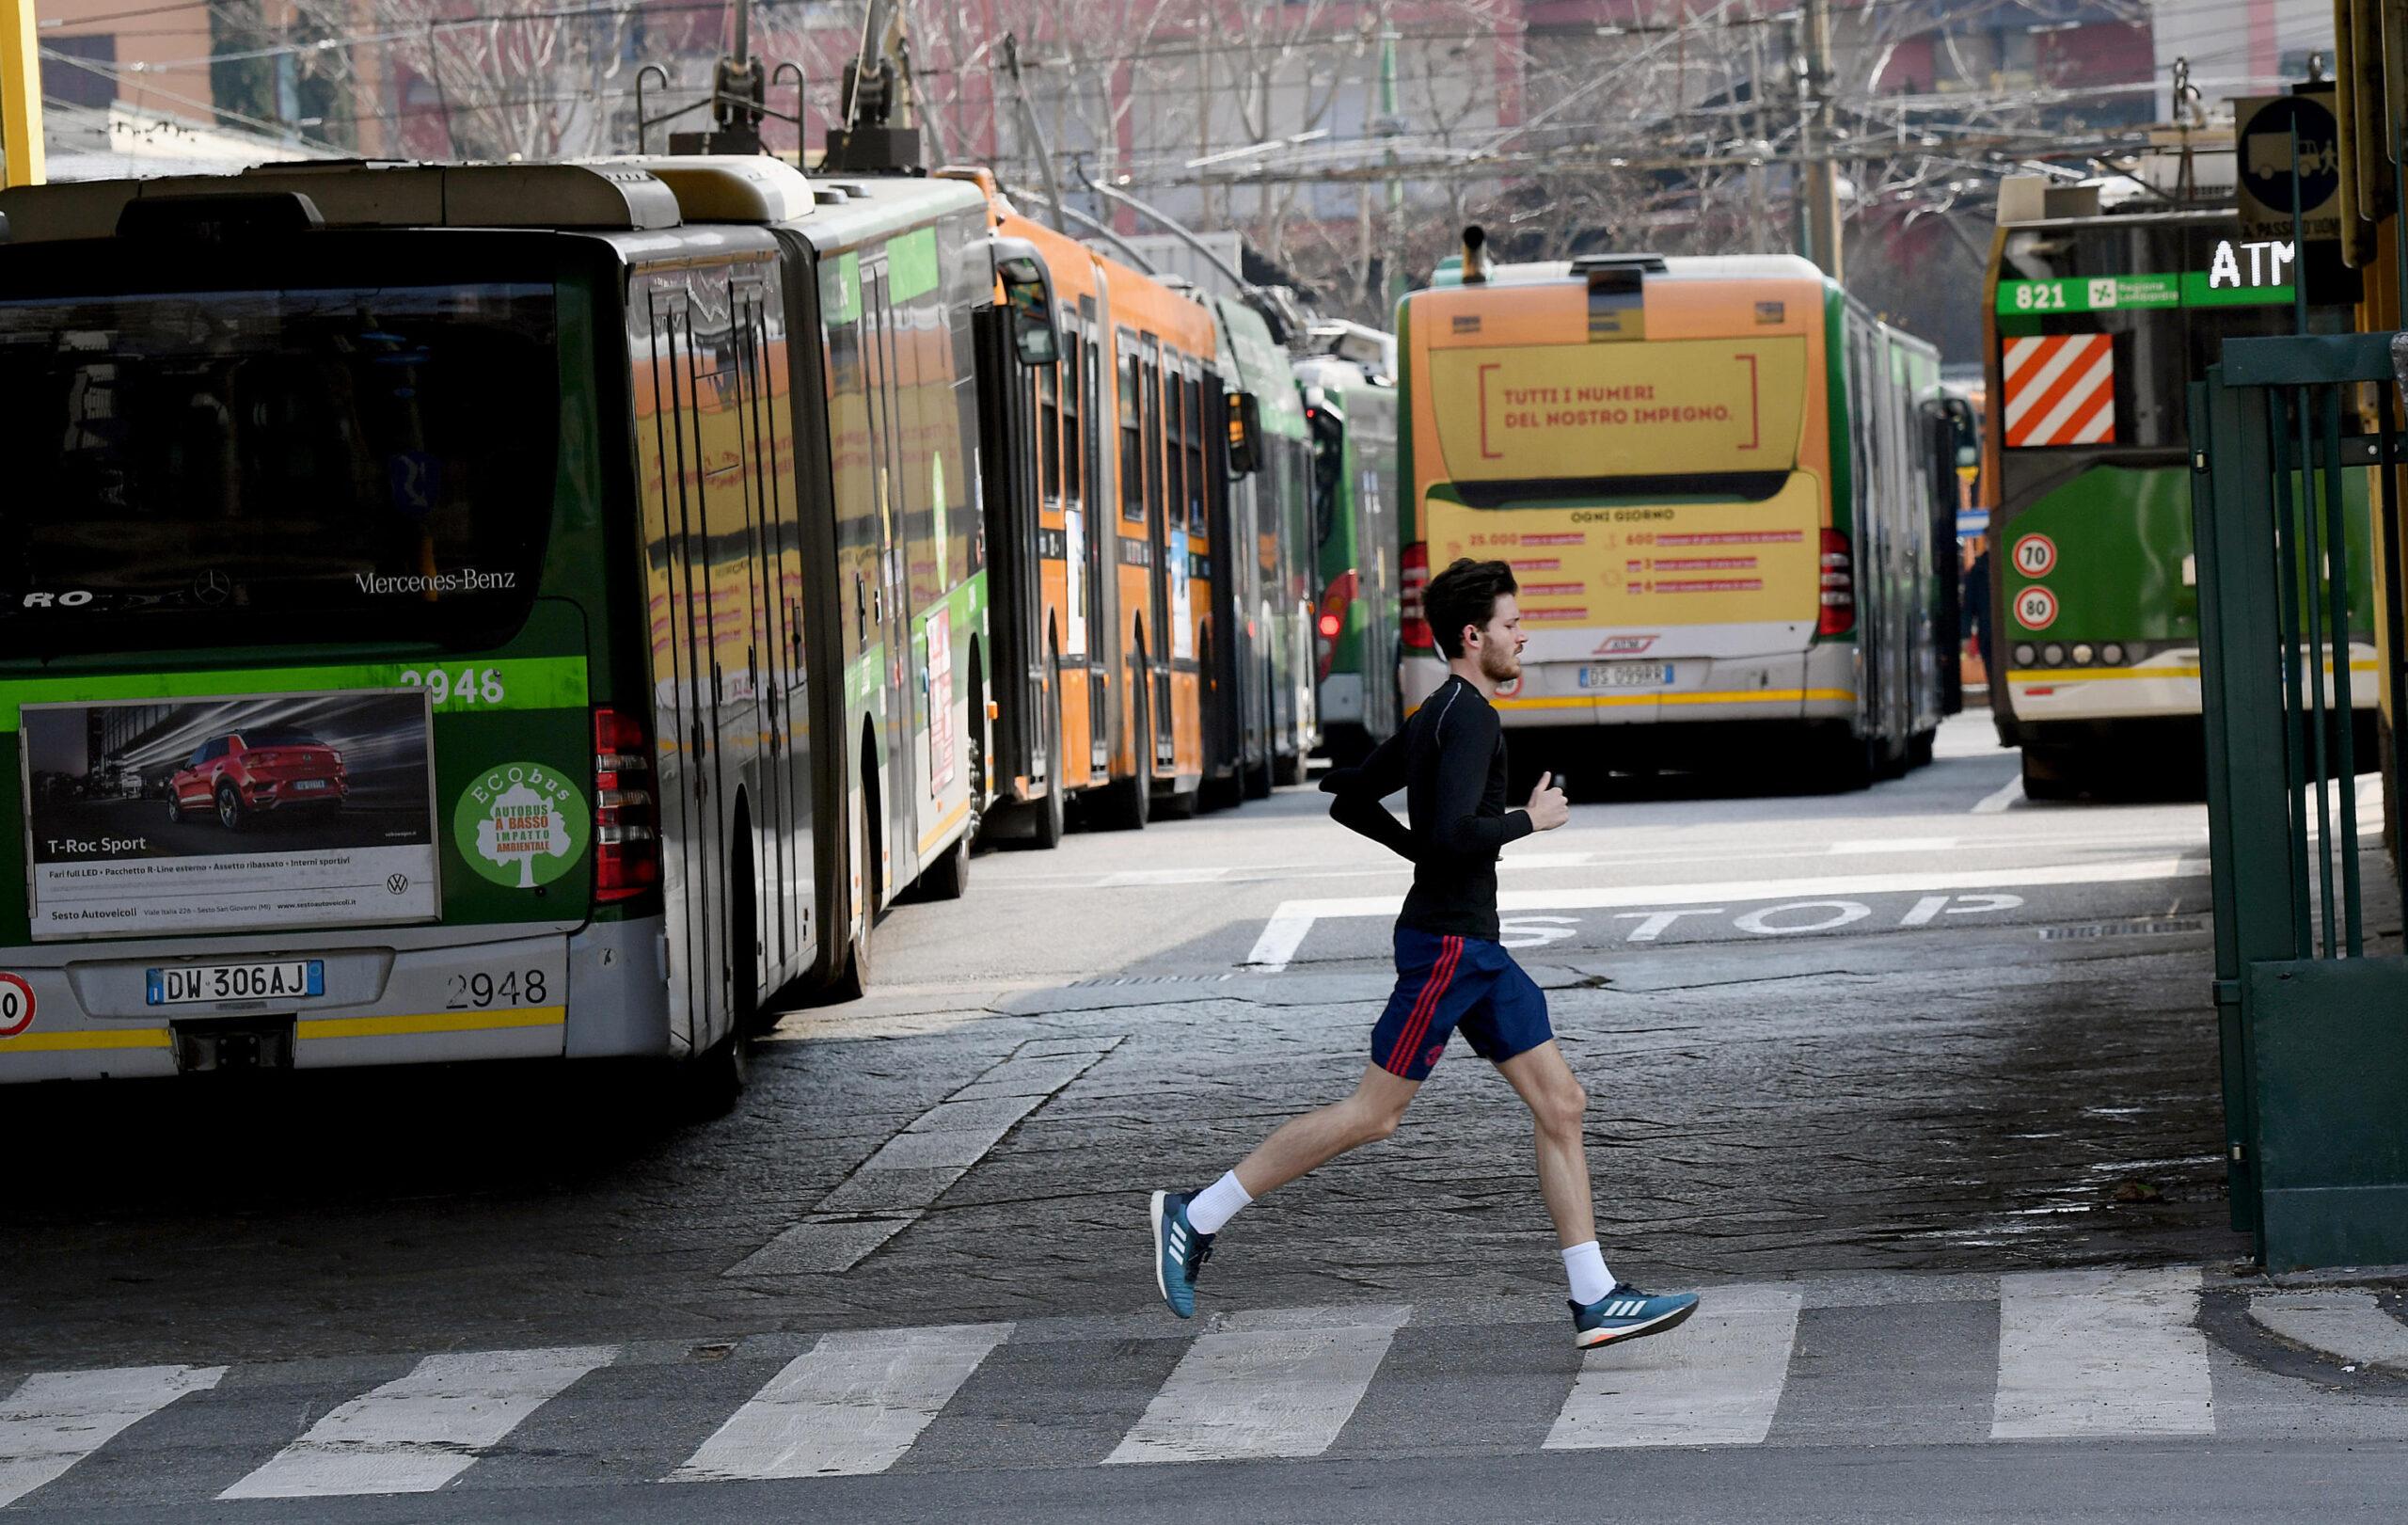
1452, 972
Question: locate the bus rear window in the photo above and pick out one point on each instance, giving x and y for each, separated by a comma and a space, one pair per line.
274, 466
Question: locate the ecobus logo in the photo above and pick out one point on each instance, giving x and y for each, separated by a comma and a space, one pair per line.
522, 824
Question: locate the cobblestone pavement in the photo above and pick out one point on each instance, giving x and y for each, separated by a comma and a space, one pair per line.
1854, 1051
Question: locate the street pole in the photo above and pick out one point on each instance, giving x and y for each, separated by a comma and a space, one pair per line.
1390, 124
1817, 171
20, 96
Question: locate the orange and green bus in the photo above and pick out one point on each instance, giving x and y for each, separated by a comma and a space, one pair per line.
1710, 476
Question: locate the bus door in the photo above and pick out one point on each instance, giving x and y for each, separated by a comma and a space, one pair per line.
683, 684
1011, 419
1091, 638
773, 653
1158, 550
889, 612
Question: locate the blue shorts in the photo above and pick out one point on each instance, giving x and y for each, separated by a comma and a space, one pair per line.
1443, 983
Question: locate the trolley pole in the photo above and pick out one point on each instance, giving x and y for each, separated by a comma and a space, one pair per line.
1815, 168
20, 96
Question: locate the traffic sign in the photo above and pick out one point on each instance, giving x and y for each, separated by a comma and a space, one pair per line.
2035, 555
16, 1004
2265, 128
2036, 608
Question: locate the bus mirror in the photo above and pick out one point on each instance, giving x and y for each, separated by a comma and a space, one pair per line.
1245, 433
1032, 308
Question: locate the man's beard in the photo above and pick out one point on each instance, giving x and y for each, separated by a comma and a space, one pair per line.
1501, 665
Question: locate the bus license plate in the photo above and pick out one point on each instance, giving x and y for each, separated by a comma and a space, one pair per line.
1626, 676
290, 980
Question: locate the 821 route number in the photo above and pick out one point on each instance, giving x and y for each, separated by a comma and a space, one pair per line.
512, 987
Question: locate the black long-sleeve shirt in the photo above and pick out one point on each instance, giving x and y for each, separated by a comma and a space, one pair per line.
1450, 761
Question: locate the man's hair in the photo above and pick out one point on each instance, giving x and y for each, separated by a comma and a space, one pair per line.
1464, 593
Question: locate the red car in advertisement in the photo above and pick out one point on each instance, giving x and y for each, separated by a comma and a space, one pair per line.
261, 772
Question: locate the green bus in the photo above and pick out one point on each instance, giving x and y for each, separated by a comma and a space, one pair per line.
1347, 377
2099, 321
1265, 723
541, 606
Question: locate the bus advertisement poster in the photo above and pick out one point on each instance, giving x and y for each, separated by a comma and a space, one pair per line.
150, 816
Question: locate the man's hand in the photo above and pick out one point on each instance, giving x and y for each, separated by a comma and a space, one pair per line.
1546, 807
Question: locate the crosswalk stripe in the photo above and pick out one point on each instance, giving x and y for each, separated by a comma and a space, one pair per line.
1713, 1381
851, 1404
57, 1419
1276, 1383
2089, 1353
418, 1431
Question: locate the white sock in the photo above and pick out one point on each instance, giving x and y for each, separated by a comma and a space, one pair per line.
1219, 1203
1586, 1265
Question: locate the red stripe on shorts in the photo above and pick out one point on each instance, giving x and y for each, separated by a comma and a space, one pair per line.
1416, 1026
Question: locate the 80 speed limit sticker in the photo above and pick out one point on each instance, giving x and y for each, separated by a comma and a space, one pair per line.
16, 1004
2036, 609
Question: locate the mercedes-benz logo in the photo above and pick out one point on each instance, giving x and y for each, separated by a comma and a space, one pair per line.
212, 587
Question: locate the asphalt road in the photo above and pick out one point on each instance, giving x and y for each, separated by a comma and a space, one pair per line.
1919, 1084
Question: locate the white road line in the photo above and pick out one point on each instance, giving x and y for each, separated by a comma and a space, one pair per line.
887, 1193
1713, 1381
418, 1431
1282, 934
2089, 1353
1286, 930
851, 1406
1276, 1383
57, 1419
1129, 877
2345, 1323
2001, 799
1869, 847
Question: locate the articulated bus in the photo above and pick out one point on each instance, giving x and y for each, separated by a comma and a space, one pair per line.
1348, 382
1710, 476
2098, 322
1098, 604
540, 605
1268, 722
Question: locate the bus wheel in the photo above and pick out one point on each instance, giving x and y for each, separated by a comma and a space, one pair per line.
1047, 818
853, 983
949, 876
1847, 762
1125, 802
1919, 749
2049, 773
715, 1078
1291, 769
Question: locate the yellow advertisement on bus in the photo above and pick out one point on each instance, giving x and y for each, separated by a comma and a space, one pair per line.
1631, 484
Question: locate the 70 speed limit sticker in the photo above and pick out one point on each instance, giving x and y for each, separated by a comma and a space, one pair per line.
2035, 555
16, 1004
2036, 609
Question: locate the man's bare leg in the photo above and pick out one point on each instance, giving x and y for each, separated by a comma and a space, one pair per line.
1557, 1103
1305, 1142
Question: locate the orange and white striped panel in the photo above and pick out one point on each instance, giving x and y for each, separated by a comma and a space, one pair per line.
2061, 390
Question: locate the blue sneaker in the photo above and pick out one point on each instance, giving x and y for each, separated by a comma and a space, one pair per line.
1180, 1252
1628, 1313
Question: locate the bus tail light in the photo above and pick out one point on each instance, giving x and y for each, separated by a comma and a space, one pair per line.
1839, 586
1335, 599
627, 833
1416, 569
